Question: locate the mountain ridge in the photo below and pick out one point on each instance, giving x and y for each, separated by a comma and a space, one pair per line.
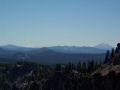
100, 48
104, 46
51, 55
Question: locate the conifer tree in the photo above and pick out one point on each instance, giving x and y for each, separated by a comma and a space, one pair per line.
107, 57
112, 53
118, 45
58, 67
84, 67
79, 67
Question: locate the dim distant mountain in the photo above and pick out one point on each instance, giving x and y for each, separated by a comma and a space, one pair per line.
104, 46
47, 56
52, 55
101, 48
15, 48
75, 49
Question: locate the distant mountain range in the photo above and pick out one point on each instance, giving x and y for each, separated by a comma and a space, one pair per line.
15, 48
53, 55
101, 48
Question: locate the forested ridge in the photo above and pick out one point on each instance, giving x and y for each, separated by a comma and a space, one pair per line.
90, 75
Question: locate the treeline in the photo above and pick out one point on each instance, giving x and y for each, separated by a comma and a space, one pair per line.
32, 76
113, 57
28, 75
82, 67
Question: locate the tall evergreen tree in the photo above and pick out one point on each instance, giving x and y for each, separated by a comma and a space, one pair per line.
58, 67
84, 67
71, 66
107, 57
117, 48
118, 45
79, 67
112, 53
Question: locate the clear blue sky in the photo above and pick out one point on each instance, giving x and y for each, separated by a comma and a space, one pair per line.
59, 22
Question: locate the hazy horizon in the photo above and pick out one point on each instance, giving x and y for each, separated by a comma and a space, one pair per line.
57, 45
41, 23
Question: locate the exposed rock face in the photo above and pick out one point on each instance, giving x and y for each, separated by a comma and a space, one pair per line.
108, 76
109, 82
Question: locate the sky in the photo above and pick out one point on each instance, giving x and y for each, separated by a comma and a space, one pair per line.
41, 23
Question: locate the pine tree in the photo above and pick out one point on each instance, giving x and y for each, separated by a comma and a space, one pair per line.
117, 48
112, 53
71, 66
91, 66
118, 45
107, 57
79, 67
84, 67
58, 67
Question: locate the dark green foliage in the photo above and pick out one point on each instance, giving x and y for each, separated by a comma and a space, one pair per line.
107, 58
84, 67
112, 53
114, 56
71, 66
32, 76
118, 46
79, 67
58, 67
92, 66
117, 51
